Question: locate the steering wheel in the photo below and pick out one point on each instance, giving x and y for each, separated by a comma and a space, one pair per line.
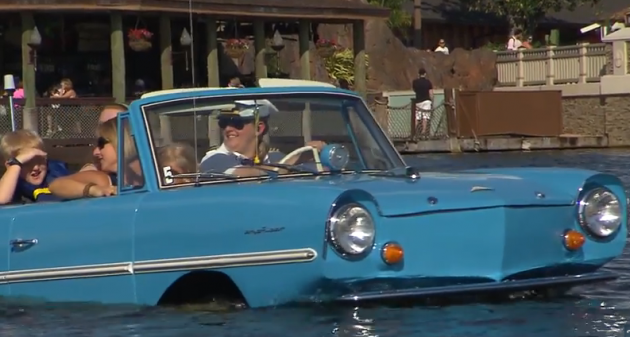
301, 150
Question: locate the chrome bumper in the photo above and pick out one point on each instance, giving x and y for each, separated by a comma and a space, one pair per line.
518, 285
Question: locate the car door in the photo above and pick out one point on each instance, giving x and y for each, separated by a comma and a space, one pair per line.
77, 250
7, 213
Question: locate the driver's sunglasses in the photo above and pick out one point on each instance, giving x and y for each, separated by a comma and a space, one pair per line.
101, 142
235, 122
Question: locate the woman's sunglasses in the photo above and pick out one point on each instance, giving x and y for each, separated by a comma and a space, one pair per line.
101, 142
237, 123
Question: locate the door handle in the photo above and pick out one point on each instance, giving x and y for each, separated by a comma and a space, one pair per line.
20, 245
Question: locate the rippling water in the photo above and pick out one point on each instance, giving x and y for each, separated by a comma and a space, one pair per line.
599, 310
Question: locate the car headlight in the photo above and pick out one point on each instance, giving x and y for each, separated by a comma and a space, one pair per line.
600, 212
351, 230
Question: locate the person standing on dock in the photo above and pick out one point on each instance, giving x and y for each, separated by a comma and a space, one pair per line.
424, 99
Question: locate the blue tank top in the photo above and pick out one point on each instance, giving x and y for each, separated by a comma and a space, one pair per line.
24, 189
114, 178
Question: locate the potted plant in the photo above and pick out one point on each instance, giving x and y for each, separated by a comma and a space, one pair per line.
340, 65
235, 48
326, 48
140, 39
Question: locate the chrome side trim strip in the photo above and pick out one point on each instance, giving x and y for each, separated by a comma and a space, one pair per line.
159, 266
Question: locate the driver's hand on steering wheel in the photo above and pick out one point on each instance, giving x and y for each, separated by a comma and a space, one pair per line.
317, 144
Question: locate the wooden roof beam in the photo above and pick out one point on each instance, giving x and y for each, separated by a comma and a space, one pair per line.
342, 10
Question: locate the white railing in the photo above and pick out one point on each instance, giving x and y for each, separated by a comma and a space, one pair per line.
552, 65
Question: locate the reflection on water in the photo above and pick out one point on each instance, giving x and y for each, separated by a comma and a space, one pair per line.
599, 310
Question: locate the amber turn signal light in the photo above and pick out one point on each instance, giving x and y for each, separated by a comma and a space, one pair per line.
392, 253
573, 240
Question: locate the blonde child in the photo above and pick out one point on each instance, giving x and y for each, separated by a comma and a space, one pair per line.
176, 158
28, 170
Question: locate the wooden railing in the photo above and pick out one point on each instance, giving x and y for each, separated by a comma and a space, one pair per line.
55, 117
583, 63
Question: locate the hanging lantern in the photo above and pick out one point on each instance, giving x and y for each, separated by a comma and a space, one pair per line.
277, 43
35, 39
185, 39
34, 42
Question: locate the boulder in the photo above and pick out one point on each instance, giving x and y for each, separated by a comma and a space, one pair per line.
393, 66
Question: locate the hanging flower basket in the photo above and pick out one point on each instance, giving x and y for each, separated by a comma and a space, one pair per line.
236, 48
326, 48
140, 39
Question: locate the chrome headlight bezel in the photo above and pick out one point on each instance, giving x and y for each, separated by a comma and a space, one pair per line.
595, 229
336, 220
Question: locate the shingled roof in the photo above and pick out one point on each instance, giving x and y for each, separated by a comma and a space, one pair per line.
452, 11
320, 9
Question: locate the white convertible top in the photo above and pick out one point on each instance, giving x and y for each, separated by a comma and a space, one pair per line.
263, 83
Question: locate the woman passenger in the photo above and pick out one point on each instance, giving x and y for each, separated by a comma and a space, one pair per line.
102, 182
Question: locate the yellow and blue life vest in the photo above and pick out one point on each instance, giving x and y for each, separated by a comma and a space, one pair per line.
24, 189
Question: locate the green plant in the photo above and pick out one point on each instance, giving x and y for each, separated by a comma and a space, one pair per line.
399, 19
341, 65
495, 46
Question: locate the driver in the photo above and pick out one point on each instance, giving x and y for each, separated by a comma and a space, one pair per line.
243, 133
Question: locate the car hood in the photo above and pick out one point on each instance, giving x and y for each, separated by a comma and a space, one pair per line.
397, 196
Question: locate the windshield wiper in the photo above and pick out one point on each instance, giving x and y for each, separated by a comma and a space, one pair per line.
207, 174
273, 174
407, 172
291, 168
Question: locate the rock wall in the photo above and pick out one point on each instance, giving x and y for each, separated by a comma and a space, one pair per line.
392, 65
596, 116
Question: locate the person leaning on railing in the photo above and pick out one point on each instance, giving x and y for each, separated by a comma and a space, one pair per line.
109, 112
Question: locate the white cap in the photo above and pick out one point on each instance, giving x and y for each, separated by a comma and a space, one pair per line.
247, 108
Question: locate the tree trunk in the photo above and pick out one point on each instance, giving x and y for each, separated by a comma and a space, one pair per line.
417, 24
513, 25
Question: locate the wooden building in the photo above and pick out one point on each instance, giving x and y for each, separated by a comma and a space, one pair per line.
88, 41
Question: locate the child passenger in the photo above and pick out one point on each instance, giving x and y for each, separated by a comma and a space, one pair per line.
28, 170
174, 159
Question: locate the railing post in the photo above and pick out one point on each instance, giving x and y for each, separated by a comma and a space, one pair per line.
520, 72
414, 121
583, 64
551, 72
381, 113
620, 58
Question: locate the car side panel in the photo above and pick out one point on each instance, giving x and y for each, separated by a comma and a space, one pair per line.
88, 235
7, 213
231, 219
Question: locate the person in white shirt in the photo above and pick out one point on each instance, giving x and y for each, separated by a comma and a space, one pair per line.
243, 132
515, 42
441, 48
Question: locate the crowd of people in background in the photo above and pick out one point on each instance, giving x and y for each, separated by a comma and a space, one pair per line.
516, 41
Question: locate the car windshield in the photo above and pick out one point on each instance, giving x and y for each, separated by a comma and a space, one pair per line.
226, 138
